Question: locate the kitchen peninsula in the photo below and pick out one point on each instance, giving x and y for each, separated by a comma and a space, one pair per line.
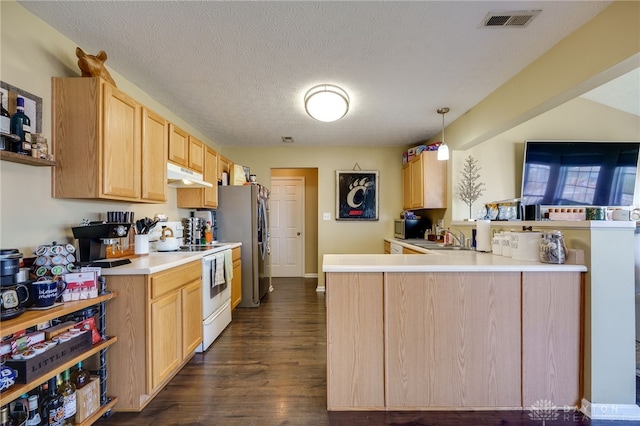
451, 330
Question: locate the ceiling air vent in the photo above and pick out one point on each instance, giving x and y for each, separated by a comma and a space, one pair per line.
511, 19
287, 139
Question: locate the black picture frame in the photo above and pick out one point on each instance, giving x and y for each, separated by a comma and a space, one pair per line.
357, 195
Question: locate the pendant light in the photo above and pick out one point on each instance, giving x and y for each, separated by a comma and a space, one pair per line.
326, 102
443, 149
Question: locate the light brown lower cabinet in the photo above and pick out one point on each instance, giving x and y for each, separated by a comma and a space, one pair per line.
236, 282
160, 316
426, 341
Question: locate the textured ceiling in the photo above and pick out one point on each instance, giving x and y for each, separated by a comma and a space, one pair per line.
238, 71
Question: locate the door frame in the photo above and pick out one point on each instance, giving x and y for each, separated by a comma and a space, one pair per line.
302, 203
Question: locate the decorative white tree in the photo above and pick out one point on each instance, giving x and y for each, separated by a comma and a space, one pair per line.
469, 189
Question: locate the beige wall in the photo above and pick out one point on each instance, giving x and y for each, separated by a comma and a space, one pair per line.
501, 157
337, 236
310, 176
33, 52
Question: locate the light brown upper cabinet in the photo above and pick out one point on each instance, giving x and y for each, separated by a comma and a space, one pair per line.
185, 150
224, 165
202, 197
97, 138
155, 139
424, 182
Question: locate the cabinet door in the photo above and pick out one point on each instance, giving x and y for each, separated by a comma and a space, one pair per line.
211, 176
551, 328
191, 317
406, 186
355, 341
196, 154
417, 183
178, 145
154, 156
224, 165
452, 340
166, 337
236, 283
120, 144
434, 181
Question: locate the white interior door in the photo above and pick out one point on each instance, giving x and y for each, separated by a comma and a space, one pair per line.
286, 205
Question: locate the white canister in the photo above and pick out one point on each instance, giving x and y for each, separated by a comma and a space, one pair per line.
496, 244
141, 244
506, 244
525, 245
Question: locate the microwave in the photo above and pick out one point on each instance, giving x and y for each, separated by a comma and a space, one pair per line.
405, 229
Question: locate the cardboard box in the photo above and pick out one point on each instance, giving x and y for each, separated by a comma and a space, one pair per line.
87, 400
30, 369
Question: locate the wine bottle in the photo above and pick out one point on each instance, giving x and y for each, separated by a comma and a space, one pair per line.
33, 418
5, 118
80, 377
5, 419
20, 125
53, 406
67, 390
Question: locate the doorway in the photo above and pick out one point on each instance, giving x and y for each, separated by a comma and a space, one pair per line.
286, 226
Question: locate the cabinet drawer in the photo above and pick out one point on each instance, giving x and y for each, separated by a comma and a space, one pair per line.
174, 278
235, 253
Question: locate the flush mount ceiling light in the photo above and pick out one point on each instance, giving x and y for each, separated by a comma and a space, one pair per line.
443, 149
326, 102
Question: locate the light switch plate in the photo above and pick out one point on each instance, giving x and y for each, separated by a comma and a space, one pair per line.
326, 216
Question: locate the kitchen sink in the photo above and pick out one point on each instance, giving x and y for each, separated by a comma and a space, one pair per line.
436, 246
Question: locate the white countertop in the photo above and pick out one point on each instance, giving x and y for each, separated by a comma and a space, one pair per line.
159, 261
437, 261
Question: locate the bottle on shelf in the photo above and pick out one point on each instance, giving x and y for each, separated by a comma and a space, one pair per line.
68, 392
5, 419
20, 125
33, 418
52, 406
80, 377
5, 118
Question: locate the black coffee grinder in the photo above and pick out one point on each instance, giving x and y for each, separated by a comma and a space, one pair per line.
93, 240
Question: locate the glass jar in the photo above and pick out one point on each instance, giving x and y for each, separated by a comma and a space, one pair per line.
552, 247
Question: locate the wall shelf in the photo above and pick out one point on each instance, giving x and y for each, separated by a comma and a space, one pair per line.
25, 159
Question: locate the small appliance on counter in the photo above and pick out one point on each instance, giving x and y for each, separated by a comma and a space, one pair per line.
93, 239
160, 236
405, 229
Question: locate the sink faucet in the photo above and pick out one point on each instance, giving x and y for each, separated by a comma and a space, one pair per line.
461, 239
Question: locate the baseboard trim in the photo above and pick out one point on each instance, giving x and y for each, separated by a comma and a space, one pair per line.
311, 275
320, 289
610, 411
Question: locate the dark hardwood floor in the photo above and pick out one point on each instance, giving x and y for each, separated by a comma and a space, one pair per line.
269, 368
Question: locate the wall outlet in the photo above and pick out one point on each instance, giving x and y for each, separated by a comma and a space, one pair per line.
326, 216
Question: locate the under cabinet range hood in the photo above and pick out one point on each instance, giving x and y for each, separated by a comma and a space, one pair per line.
179, 177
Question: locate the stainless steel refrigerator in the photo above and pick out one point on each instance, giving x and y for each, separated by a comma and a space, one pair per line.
242, 216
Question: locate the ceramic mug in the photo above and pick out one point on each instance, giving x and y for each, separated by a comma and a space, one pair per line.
11, 297
45, 293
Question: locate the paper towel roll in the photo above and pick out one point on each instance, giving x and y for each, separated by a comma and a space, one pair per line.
483, 235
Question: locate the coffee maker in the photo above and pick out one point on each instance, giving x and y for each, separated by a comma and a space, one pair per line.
93, 240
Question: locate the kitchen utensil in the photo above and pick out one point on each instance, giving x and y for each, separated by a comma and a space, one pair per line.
167, 241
